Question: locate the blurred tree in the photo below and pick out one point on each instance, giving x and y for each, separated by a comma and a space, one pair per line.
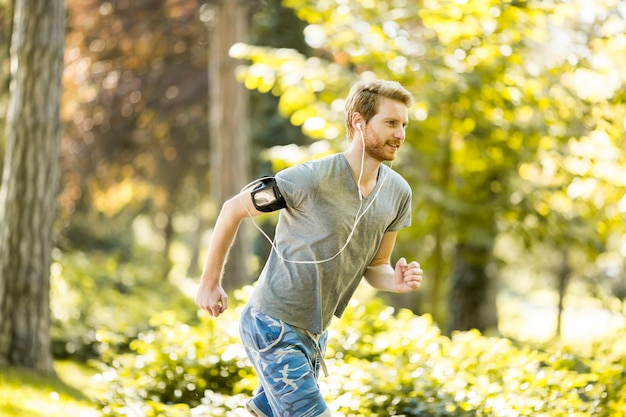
568, 205
6, 27
503, 104
30, 183
135, 113
229, 124
488, 78
466, 189
278, 27
476, 89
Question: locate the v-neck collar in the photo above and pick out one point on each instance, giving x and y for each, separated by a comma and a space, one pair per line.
354, 180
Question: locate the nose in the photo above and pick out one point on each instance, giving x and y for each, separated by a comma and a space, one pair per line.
400, 133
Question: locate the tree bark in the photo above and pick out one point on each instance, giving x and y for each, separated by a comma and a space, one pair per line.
6, 28
229, 129
30, 183
472, 296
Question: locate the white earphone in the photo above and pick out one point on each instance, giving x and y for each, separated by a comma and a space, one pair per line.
359, 214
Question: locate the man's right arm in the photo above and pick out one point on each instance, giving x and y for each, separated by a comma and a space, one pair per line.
211, 297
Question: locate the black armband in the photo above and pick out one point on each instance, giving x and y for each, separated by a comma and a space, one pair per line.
266, 196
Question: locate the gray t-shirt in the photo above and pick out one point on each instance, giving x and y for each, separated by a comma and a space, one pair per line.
322, 204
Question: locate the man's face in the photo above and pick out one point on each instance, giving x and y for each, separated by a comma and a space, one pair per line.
386, 131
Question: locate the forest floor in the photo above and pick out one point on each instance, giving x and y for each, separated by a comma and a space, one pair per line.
70, 394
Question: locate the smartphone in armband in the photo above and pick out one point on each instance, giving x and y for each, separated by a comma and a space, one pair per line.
266, 196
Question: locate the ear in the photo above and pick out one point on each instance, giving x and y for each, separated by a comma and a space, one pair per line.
357, 121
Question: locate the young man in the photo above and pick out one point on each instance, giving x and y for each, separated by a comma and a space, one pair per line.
338, 223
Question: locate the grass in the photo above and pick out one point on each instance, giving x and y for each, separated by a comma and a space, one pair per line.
69, 394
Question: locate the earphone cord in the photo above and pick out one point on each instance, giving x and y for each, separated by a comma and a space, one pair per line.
357, 219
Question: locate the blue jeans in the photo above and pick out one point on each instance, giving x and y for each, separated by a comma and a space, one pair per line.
288, 361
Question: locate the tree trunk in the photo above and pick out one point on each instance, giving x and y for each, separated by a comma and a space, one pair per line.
6, 26
438, 271
472, 296
30, 183
168, 238
563, 281
229, 125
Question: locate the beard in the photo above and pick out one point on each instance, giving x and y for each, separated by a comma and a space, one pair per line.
381, 149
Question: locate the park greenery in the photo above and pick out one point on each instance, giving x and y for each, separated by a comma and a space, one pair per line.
504, 138
146, 351
516, 154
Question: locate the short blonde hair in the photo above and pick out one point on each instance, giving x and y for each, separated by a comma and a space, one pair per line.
364, 98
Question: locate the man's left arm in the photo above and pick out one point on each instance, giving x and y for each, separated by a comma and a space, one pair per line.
405, 277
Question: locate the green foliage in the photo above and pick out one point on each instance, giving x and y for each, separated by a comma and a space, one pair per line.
402, 365
516, 127
380, 364
177, 363
157, 357
90, 295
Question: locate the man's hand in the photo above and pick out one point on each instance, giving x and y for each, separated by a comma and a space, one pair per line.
212, 299
408, 277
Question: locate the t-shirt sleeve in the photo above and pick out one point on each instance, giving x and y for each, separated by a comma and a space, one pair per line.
297, 184
403, 219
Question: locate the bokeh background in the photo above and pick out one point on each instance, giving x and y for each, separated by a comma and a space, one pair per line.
515, 151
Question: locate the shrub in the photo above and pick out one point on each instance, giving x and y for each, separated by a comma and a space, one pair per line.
175, 363
160, 358
404, 366
99, 303
380, 363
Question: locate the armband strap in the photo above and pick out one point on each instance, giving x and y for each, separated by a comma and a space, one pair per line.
266, 196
